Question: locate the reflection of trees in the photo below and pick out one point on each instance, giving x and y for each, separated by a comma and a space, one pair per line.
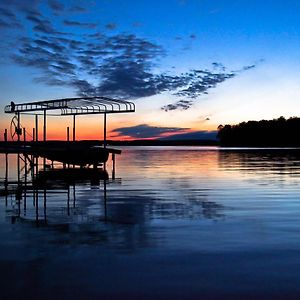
264, 162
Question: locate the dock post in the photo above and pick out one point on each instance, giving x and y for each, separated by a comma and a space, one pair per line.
33, 134
5, 135
18, 133
74, 128
114, 166
104, 134
45, 127
36, 128
24, 134
68, 134
25, 158
45, 136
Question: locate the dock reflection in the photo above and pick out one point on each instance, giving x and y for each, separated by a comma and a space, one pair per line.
97, 209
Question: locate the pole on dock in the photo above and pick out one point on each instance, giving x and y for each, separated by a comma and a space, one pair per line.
74, 128
68, 133
18, 129
36, 128
114, 166
24, 134
45, 126
104, 134
25, 158
45, 136
5, 135
33, 134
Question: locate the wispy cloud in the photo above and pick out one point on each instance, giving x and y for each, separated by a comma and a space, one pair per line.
8, 19
80, 24
194, 135
57, 6
120, 65
41, 24
144, 131
111, 26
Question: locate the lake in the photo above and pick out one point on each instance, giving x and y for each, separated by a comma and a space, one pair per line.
175, 223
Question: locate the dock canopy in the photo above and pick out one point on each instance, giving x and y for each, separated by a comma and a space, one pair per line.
74, 106
65, 107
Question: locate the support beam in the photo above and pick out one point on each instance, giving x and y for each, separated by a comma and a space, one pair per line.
36, 128
5, 135
74, 128
113, 165
24, 134
104, 133
18, 129
45, 126
68, 134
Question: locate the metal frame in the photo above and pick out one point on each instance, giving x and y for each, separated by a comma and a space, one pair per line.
71, 107
75, 106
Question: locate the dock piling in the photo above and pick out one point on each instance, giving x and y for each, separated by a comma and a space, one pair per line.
74, 129
113, 166
36, 128
5, 135
45, 125
68, 134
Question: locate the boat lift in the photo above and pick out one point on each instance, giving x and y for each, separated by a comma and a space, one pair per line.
71, 153
66, 107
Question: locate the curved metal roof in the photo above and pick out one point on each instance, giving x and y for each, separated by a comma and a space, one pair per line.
74, 106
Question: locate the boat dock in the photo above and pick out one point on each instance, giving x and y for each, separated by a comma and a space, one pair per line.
71, 153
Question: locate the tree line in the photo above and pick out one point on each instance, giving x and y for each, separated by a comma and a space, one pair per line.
279, 132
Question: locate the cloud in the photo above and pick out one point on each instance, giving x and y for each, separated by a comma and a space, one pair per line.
77, 9
144, 131
80, 24
41, 24
195, 135
111, 26
181, 104
21, 5
7, 13
57, 6
121, 65
8, 19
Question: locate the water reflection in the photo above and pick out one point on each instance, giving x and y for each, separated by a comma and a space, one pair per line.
86, 199
178, 221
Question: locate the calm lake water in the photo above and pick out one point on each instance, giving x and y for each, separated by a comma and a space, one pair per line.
176, 223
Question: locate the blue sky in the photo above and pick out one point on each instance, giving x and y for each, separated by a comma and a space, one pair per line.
188, 65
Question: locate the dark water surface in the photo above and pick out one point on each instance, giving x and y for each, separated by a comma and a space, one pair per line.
176, 223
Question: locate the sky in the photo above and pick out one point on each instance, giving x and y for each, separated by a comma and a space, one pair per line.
188, 65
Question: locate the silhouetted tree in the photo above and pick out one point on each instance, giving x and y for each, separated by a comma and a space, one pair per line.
265, 133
